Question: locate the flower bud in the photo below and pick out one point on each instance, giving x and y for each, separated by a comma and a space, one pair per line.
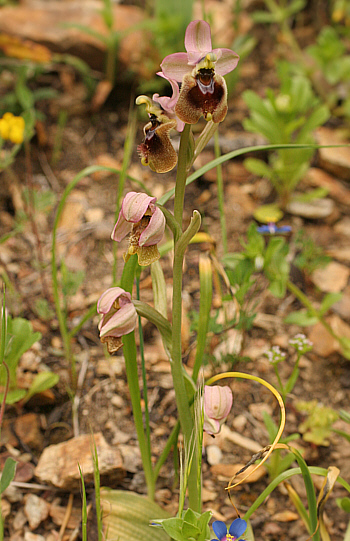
147, 224
119, 317
217, 406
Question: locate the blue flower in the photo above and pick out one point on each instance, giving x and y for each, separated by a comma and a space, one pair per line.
237, 528
272, 229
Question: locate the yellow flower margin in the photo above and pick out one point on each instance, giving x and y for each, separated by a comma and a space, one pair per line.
12, 128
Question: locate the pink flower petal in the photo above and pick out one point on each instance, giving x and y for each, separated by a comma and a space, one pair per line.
217, 401
135, 205
227, 61
154, 231
168, 104
122, 322
121, 228
107, 299
197, 41
175, 66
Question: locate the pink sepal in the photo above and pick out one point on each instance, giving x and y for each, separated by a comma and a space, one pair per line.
154, 231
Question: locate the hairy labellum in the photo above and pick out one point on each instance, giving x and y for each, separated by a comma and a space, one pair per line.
157, 150
205, 94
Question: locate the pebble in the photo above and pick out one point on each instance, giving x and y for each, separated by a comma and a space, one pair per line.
58, 464
36, 510
214, 454
312, 210
334, 160
331, 279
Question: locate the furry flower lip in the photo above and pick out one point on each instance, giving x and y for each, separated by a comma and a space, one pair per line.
200, 70
157, 150
119, 317
145, 222
217, 406
237, 528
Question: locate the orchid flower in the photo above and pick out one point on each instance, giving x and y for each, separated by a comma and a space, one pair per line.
147, 224
200, 70
119, 317
236, 530
157, 150
217, 406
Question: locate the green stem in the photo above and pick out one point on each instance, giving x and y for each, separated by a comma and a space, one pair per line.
143, 368
169, 444
221, 197
281, 388
181, 174
308, 304
182, 400
130, 355
89, 314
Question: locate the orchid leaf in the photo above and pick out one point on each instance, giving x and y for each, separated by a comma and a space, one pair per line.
8, 473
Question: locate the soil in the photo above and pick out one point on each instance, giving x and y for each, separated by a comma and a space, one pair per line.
44, 168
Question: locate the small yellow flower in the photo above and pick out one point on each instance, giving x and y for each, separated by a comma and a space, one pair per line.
12, 128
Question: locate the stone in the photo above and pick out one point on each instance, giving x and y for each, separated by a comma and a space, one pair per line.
58, 464
343, 227
229, 470
36, 510
342, 307
335, 160
331, 279
214, 454
285, 516
312, 210
55, 24
28, 429
321, 179
324, 344
29, 536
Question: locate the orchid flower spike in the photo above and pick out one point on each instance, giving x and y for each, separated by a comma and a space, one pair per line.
217, 406
157, 150
200, 70
236, 530
119, 317
147, 224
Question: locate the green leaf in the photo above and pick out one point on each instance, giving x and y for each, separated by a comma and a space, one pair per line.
270, 425
173, 527
258, 167
24, 95
318, 193
13, 396
189, 530
302, 318
22, 338
42, 382
8, 473
328, 300
344, 504
128, 516
263, 17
